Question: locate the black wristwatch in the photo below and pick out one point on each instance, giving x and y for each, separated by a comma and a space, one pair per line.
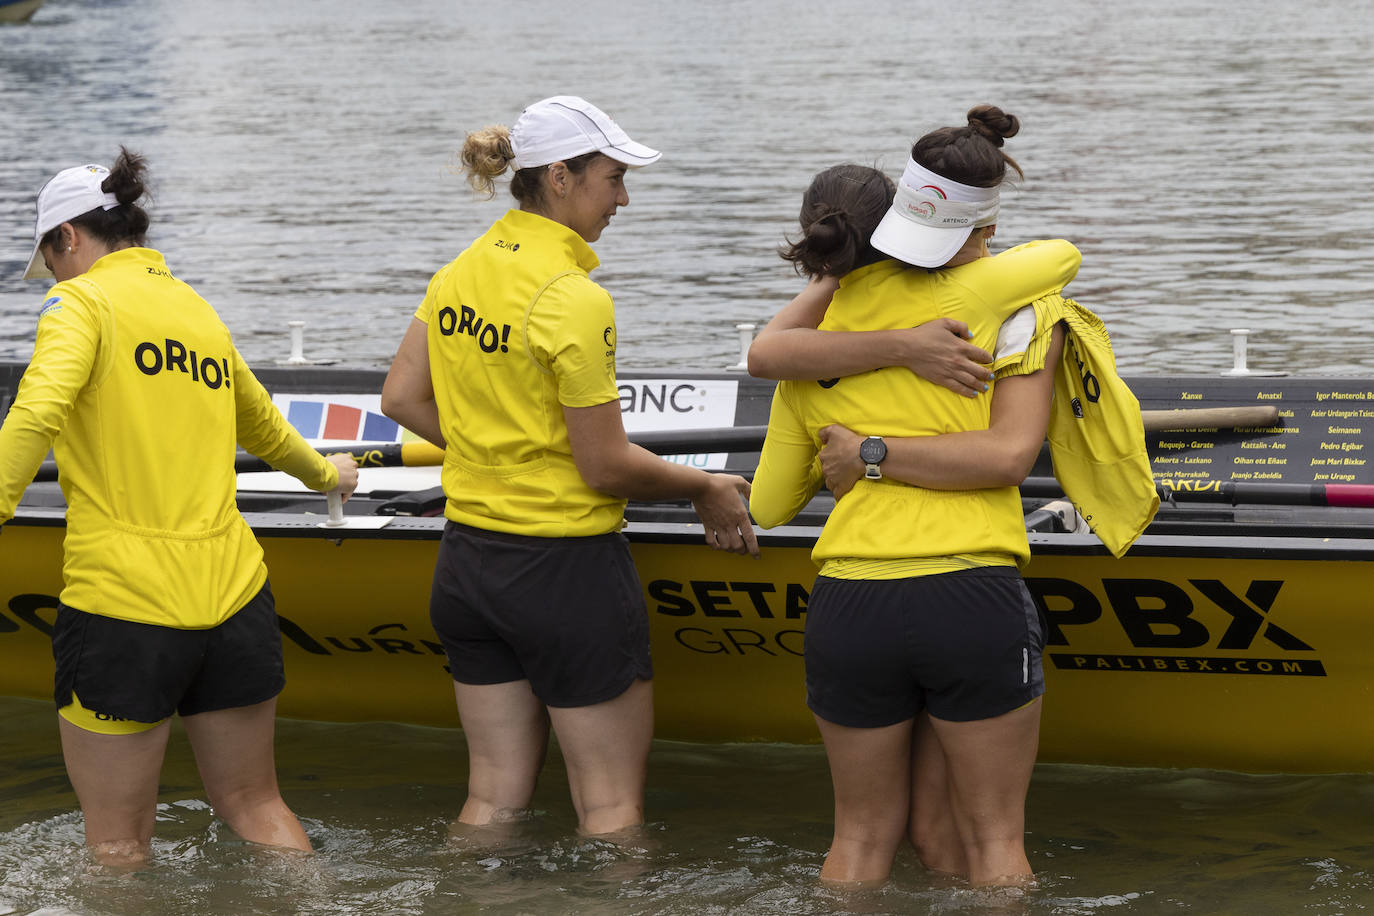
872, 451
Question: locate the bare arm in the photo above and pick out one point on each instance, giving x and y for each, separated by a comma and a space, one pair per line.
611, 464
408, 392
790, 347
999, 456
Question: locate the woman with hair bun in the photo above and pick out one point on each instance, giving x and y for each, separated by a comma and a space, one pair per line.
509, 365
922, 643
137, 388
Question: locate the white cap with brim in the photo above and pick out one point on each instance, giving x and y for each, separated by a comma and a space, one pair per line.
67, 195
931, 217
565, 126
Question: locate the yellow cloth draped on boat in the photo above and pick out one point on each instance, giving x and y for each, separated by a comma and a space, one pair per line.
1097, 439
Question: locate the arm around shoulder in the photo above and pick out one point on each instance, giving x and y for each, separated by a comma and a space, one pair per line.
791, 347
1038, 268
999, 456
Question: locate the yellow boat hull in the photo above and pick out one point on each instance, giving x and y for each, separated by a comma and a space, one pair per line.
1239, 656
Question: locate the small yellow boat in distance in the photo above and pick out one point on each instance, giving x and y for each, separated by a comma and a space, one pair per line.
18, 10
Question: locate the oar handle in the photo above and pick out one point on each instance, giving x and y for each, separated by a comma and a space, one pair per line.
1236, 493
733, 439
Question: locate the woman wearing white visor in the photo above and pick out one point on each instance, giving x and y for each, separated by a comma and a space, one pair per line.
922, 644
509, 364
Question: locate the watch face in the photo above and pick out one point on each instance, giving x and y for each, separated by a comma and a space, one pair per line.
872, 450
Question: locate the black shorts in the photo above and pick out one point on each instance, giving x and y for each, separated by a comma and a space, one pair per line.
965, 645
566, 614
144, 673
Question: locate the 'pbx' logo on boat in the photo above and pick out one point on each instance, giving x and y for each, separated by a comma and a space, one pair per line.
1158, 614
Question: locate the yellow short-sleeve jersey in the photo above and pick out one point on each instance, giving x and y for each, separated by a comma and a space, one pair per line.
517, 331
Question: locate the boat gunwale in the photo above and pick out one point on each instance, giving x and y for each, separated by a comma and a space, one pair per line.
430, 528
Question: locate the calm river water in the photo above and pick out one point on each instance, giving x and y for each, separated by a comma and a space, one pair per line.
1214, 162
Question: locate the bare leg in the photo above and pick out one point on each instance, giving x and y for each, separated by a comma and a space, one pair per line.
932, 826
234, 752
870, 769
989, 767
507, 733
115, 778
606, 750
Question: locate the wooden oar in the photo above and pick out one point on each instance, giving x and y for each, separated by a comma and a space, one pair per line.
1253, 416
729, 439
424, 454
1236, 493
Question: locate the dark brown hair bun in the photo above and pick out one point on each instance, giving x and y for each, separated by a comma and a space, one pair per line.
993, 124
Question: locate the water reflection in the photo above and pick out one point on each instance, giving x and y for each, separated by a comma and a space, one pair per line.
1212, 163
1215, 175
734, 829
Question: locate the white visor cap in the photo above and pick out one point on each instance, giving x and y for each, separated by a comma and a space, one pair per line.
67, 195
931, 217
565, 126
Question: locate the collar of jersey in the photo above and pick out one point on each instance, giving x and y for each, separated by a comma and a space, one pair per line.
129, 256
886, 265
526, 223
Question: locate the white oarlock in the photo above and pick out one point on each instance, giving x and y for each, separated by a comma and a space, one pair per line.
298, 357
1239, 352
746, 337
337, 519
336, 516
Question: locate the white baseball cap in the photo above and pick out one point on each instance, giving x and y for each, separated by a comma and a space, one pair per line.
565, 126
931, 217
67, 195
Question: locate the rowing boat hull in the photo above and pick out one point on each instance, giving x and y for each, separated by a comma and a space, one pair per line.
1228, 637
1209, 652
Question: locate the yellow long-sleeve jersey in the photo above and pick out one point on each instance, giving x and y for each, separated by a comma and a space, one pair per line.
137, 388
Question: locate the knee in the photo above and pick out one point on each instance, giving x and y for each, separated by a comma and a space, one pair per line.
933, 851
880, 830
502, 789
937, 844
610, 819
128, 854
235, 805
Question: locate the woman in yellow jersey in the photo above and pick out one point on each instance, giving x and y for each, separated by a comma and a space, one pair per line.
137, 388
922, 645
509, 365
